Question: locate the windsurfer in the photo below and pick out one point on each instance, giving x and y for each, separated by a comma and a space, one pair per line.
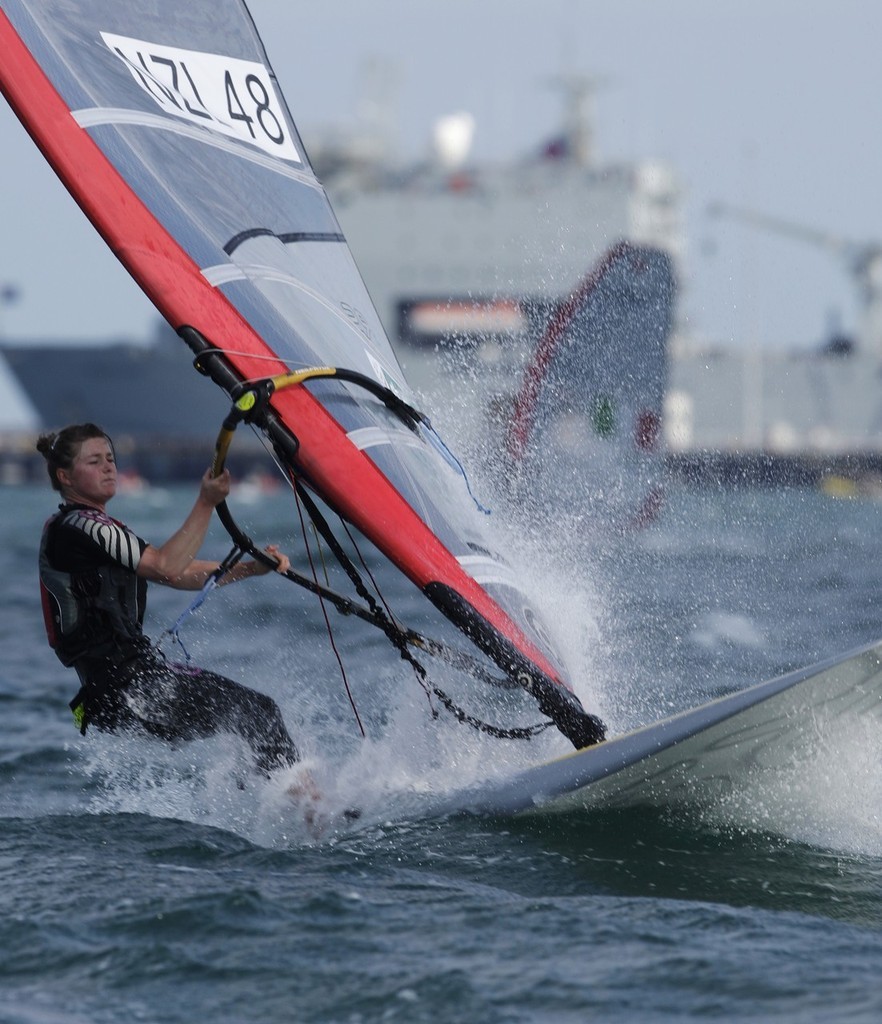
93, 574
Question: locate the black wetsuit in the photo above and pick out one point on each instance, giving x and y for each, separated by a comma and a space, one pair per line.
93, 603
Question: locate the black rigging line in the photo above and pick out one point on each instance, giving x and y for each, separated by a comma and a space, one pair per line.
251, 405
331, 639
397, 637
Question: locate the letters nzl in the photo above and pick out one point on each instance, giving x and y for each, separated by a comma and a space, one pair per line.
232, 96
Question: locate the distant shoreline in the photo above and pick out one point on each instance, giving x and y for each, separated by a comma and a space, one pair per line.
167, 460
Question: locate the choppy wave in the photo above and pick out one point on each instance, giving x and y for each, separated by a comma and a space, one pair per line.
146, 883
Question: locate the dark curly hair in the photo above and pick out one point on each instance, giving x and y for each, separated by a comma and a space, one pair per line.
61, 448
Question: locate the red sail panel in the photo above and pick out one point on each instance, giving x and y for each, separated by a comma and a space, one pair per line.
342, 474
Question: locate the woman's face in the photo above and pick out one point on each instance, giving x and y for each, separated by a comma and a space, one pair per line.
91, 480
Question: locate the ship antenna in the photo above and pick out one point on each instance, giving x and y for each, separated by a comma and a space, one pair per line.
578, 129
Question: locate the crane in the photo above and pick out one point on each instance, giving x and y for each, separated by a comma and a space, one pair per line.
863, 262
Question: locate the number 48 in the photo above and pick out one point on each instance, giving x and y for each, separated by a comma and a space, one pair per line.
267, 120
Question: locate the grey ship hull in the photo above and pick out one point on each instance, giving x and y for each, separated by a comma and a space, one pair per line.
150, 393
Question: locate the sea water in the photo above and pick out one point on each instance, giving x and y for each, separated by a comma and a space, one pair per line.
142, 883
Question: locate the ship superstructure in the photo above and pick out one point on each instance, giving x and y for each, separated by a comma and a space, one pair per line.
470, 265
465, 263
447, 247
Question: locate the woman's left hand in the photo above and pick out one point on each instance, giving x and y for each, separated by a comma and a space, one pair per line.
284, 563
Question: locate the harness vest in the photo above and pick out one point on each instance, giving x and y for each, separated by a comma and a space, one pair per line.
95, 613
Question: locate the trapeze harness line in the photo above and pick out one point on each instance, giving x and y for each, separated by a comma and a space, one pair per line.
249, 405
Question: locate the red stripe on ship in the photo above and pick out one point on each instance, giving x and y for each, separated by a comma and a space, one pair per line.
173, 282
524, 414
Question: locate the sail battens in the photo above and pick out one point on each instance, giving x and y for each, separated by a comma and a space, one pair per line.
223, 273
286, 238
290, 237
94, 117
227, 273
486, 570
374, 437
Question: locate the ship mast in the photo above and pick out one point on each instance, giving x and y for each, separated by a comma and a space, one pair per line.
579, 115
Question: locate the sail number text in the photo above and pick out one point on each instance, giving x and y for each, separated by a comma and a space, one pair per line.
234, 97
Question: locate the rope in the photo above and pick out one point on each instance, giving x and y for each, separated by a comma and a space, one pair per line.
208, 586
396, 635
249, 404
331, 639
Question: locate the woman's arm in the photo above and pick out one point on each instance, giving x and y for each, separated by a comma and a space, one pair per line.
198, 571
172, 562
175, 563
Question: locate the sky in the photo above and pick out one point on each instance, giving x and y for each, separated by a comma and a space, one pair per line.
773, 105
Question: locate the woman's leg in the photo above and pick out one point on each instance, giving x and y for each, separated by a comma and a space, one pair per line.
172, 702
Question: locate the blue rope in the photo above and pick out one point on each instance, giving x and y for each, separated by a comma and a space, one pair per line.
211, 582
454, 462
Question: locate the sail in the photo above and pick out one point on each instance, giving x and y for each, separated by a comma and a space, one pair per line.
166, 123
585, 429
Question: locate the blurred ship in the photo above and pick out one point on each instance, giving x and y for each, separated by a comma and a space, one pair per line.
815, 403
552, 275
452, 250
467, 266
